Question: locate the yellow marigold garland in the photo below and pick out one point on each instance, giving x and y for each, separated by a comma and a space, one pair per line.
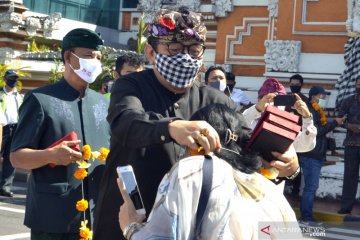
86, 151
269, 173
85, 232
80, 174
321, 111
82, 205
103, 154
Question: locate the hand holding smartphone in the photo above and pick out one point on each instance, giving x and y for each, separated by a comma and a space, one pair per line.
285, 100
126, 173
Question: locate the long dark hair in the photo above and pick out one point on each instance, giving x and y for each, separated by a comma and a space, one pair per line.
222, 118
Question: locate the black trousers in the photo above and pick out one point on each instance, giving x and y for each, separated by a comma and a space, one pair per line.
8, 172
351, 177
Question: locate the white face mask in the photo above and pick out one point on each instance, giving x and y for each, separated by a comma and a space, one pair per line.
322, 103
89, 69
218, 84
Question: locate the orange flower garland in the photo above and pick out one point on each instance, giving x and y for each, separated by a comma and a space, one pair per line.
86, 151
103, 154
82, 205
85, 232
81, 173
321, 111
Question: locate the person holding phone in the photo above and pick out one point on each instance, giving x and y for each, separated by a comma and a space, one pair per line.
271, 88
149, 113
311, 161
239, 202
126, 173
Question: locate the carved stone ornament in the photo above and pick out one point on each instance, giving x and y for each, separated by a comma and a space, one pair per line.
222, 7
50, 23
353, 21
273, 8
149, 7
282, 55
32, 24
6, 54
10, 22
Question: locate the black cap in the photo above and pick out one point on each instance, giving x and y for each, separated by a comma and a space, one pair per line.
317, 90
81, 37
11, 73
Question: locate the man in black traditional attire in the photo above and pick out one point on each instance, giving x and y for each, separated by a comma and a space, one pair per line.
149, 114
48, 114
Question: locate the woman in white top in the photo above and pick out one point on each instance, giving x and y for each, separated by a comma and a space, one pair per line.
306, 139
242, 204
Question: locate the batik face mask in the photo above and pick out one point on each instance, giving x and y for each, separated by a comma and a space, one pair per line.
179, 70
89, 69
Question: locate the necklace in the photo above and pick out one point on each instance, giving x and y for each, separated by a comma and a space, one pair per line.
321, 111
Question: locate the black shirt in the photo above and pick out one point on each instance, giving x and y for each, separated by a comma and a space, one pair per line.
139, 114
46, 115
351, 108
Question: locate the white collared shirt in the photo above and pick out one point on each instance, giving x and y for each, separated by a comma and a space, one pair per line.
3, 120
11, 109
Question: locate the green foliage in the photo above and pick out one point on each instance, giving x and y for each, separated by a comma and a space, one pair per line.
57, 72
108, 65
141, 41
33, 47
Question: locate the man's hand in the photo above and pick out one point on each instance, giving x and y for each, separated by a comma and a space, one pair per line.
340, 121
195, 133
260, 105
288, 162
64, 155
301, 107
354, 127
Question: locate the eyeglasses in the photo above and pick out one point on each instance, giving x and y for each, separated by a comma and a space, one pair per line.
195, 50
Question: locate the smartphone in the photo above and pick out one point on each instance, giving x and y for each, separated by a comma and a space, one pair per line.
285, 100
126, 173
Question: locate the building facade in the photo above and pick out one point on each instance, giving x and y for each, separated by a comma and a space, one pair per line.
254, 39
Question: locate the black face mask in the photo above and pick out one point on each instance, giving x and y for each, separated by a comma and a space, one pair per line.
11, 82
231, 87
295, 89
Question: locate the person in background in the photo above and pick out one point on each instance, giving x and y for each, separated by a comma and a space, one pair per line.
2, 124
295, 83
128, 63
350, 108
48, 114
236, 94
215, 77
306, 139
311, 161
106, 84
239, 198
150, 110
125, 64
10, 102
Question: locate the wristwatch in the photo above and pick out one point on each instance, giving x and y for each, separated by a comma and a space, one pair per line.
130, 229
294, 175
